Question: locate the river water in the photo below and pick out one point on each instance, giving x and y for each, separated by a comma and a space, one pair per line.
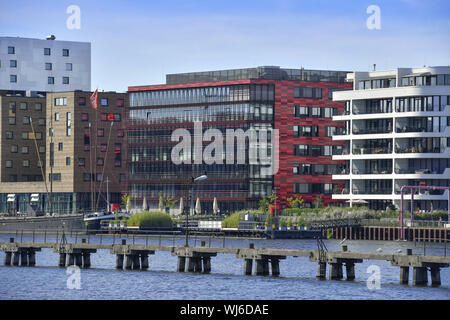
160, 281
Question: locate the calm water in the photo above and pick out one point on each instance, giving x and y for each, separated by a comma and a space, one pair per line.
297, 280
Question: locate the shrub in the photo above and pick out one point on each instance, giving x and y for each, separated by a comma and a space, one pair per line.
232, 221
150, 219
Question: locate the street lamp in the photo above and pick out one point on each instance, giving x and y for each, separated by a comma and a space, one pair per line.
194, 180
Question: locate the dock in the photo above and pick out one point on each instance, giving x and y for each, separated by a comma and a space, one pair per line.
198, 259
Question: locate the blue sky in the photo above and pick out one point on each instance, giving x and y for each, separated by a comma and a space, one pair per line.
139, 42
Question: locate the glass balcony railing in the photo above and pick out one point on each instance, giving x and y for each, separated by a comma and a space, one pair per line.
373, 191
417, 171
375, 171
378, 150
404, 129
371, 130
420, 149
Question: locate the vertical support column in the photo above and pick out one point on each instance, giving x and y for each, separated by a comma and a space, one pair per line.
420, 276
335, 272
86, 260
275, 266
23, 258
404, 275
128, 261
15, 259
206, 264
259, 267
266, 267
119, 261
350, 268
248, 264
181, 264
78, 260
71, 259
31, 258
144, 261
321, 270
62, 260
435, 276
136, 262
198, 264
191, 264
8, 256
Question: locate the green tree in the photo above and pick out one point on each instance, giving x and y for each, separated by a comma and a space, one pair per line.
266, 201
295, 201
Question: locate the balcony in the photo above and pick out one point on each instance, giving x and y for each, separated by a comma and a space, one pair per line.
378, 150
375, 171
372, 191
416, 171
371, 130
405, 129
419, 149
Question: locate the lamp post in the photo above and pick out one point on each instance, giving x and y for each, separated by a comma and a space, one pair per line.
194, 180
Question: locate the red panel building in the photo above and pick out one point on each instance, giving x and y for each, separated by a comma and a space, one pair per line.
297, 102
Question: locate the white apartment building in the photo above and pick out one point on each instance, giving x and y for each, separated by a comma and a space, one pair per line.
397, 133
44, 65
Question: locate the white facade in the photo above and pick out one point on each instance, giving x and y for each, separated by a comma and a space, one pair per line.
44, 65
397, 133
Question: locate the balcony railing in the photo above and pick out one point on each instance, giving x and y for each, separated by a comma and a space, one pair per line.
377, 171
373, 191
417, 171
371, 131
379, 150
405, 129
399, 149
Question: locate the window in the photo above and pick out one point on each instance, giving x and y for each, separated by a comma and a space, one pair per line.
60, 146
26, 120
11, 120
24, 135
84, 117
9, 164
104, 102
9, 135
120, 133
55, 177
315, 112
104, 117
65, 80
67, 161
41, 149
120, 103
100, 161
81, 101
26, 163
13, 178
100, 132
11, 50
14, 148
48, 66
86, 176
38, 106
68, 67
305, 92
57, 116
301, 111
81, 162
51, 80
13, 78
65, 52
60, 101
103, 147
47, 51
25, 150
13, 63
117, 117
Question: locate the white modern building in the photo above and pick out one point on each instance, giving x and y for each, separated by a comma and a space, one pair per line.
397, 133
44, 64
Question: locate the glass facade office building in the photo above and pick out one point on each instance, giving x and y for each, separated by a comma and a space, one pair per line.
253, 98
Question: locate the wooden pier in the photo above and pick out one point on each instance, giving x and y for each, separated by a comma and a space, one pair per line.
257, 261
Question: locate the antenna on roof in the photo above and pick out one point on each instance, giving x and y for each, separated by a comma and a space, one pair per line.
374, 67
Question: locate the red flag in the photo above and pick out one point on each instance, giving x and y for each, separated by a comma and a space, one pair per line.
94, 99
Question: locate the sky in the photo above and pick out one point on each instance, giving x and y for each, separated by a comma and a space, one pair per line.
139, 42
